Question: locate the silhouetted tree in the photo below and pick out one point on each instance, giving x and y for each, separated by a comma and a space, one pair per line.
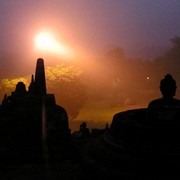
116, 53
169, 62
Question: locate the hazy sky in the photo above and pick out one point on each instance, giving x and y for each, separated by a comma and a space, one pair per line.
88, 27
92, 25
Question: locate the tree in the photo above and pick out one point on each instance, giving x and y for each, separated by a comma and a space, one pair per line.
169, 62
8, 85
65, 83
116, 54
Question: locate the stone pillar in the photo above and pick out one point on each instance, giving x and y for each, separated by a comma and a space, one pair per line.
40, 81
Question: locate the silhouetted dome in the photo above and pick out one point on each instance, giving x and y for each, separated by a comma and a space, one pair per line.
133, 149
20, 89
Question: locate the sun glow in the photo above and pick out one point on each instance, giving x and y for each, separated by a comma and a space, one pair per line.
46, 42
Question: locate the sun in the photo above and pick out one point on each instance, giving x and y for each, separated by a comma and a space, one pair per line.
46, 42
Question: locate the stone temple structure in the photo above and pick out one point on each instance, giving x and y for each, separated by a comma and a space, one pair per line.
32, 126
136, 147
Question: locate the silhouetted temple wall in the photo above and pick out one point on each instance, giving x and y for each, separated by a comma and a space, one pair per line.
32, 121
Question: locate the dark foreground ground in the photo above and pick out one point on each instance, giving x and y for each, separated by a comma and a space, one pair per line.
64, 170
109, 164
130, 149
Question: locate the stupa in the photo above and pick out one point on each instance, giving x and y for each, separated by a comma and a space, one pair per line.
33, 126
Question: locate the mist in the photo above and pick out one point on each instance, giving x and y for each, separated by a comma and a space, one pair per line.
93, 89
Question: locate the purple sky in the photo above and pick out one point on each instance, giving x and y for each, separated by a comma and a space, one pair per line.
142, 28
96, 25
